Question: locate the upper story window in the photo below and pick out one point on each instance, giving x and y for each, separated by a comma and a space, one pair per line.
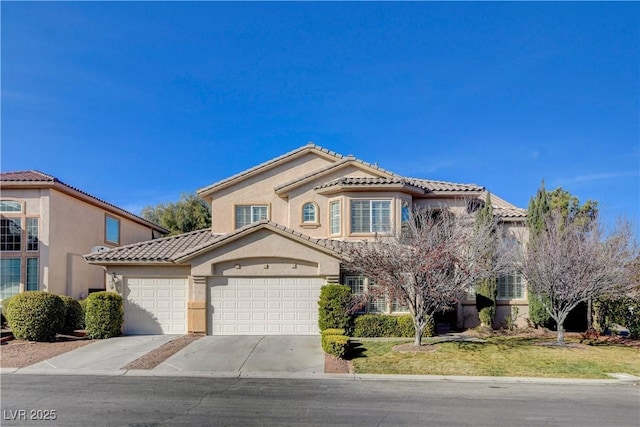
32, 234
10, 234
370, 216
112, 230
310, 213
10, 206
247, 214
334, 217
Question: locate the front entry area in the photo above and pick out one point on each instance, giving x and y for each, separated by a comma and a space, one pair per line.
264, 305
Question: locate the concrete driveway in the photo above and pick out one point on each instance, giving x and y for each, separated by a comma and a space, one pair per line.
246, 355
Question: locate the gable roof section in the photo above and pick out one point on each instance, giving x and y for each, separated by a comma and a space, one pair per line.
298, 152
180, 248
157, 251
344, 162
37, 179
506, 210
325, 245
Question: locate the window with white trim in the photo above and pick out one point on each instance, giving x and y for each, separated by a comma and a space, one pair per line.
10, 234
247, 214
32, 234
10, 206
31, 284
334, 217
310, 213
358, 285
510, 286
9, 277
370, 216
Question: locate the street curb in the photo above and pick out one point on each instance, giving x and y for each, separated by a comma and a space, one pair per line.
319, 376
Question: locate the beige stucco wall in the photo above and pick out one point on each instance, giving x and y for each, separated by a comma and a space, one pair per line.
69, 228
258, 190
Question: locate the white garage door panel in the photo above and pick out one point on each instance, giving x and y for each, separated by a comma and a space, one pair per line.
264, 306
155, 306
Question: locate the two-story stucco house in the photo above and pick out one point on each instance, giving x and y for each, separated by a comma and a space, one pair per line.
272, 245
46, 227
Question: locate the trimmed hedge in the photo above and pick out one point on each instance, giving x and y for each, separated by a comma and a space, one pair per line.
35, 315
334, 342
384, 325
104, 315
333, 307
73, 315
335, 345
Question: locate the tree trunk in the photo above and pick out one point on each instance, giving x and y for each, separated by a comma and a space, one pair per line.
561, 333
417, 342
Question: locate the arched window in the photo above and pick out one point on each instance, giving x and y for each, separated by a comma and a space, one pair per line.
310, 213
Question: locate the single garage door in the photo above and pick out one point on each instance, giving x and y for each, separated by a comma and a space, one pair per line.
264, 306
155, 306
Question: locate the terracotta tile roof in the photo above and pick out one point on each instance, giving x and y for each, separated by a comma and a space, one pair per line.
36, 177
155, 251
327, 168
424, 184
504, 209
332, 245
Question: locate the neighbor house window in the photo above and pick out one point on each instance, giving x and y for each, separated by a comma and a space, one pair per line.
32, 234
247, 214
310, 213
112, 230
10, 234
9, 277
334, 217
510, 286
10, 206
32, 274
370, 216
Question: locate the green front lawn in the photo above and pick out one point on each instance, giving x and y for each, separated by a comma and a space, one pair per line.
500, 356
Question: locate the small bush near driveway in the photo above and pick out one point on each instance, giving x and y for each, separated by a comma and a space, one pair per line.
104, 316
35, 316
335, 343
73, 315
384, 325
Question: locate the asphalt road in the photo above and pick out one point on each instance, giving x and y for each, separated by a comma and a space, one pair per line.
168, 401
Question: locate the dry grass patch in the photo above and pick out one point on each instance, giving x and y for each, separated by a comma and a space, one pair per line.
517, 356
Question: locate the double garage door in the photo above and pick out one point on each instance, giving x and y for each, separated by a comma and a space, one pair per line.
264, 306
155, 306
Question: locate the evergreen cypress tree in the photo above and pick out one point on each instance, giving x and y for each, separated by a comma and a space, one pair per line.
539, 207
486, 290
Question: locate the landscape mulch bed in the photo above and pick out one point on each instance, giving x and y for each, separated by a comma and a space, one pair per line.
334, 365
162, 353
20, 353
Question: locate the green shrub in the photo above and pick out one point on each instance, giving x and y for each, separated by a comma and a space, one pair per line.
5, 307
624, 311
333, 308
35, 316
73, 315
335, 345
375, 325
104, 315
333, 331
384, 325
487, 314
83, 306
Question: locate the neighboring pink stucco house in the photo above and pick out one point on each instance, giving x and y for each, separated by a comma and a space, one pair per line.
48, 225
259, 269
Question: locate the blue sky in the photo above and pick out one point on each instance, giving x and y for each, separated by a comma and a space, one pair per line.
137, 103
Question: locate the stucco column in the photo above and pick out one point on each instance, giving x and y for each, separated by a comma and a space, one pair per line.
197, 305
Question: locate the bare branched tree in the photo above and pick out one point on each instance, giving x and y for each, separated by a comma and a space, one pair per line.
430, 264
571, 262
